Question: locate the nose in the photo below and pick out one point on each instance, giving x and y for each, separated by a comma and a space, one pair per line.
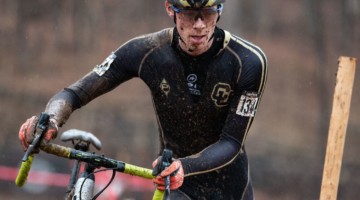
199, 23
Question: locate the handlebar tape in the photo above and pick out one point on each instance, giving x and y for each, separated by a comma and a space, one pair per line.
138, 171
24, 171
158, 195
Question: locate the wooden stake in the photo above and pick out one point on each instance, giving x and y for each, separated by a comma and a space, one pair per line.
337, 130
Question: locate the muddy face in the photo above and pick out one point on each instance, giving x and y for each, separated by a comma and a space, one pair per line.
196, 32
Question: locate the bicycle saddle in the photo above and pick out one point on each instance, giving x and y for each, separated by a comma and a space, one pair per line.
75, 134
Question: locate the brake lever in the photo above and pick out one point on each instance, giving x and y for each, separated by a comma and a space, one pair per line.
166, 160
40, 130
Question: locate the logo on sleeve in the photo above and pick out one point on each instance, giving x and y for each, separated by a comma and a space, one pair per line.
105, 65
165, 87
248, 104
221, 94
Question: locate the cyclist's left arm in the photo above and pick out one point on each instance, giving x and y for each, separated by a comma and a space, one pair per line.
243, 107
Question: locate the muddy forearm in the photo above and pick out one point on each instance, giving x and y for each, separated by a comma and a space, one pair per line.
62, 105
79, 94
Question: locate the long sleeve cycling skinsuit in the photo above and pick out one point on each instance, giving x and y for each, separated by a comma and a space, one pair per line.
204, 105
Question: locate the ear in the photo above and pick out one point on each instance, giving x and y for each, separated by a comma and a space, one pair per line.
169, 11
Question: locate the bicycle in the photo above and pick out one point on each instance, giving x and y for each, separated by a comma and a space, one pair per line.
82, 187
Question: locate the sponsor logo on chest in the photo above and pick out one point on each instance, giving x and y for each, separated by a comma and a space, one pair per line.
221, 94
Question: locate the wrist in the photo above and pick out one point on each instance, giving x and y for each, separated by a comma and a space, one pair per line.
186, 166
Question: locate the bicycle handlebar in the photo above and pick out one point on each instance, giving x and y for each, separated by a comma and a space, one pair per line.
96, 160
92, 158
69, 153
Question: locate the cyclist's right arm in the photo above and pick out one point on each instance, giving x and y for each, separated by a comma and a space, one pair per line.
117, 68
62, 104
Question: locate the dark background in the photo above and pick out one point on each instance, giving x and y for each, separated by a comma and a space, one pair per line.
46, 45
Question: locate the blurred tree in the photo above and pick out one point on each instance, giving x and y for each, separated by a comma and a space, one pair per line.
317, 35
24, 14
87, 19
249, 13
253, 15
31, 20
350, 13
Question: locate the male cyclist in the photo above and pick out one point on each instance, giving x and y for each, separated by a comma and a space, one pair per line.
206, 85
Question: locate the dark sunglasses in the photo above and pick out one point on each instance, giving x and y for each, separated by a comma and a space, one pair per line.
217, 9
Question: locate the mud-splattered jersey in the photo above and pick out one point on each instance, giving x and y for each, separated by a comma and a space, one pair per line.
204, 105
